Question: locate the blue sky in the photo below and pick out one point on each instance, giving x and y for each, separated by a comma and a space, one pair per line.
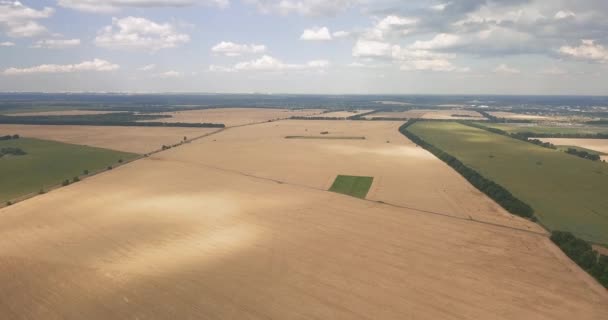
305, 46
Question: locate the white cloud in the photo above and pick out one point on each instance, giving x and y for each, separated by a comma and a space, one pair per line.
170, 74
57, 43
340, 34
231, 49
439, 7
303, 7
19, 21
564, 15
148, 67
105, 6
371, 49
97, 65
440, 41
588, 50
7, 44
505, 69
270, 64
430, 65
554, 71
316, 34
133, 33
391, 25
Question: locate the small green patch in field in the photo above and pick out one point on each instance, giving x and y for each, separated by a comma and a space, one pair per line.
352, 185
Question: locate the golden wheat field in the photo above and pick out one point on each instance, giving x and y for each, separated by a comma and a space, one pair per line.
222, 228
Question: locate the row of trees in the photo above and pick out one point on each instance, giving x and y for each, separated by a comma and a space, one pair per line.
9, 137
12, 151
495, 191
495, 119
583, 254
583, 154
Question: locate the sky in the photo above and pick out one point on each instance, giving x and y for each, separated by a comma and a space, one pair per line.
305, 46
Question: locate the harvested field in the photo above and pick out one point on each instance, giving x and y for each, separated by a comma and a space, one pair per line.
342, 114
518, 116
430, 114
236, 116
61, 113
128, 139
599, 145
404, 174
171, 238
546, 129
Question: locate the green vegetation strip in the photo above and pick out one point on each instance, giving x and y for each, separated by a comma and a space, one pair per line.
567, 193
325, 138
352, 185
583, 254
48, 163
109, 119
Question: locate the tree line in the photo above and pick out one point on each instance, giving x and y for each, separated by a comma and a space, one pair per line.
495, 119
11, 151
583, 254
101, 120
493, 190
583, 154
9, 137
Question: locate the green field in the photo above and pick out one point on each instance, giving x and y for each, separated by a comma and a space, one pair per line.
534, 128
352, 185
567, 193
48, 163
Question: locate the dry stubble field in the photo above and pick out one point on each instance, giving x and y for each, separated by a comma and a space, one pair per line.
128, 139
235, 116
183, 236
453, 114
600, 145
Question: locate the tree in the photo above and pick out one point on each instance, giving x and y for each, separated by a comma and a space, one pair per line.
85, 172
65, 182
75, 179
119, 160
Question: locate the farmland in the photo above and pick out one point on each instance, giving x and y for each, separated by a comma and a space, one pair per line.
47, 164
544, 129
449, 114
235, 116
599, 146
564, 190
196, 232
127, 139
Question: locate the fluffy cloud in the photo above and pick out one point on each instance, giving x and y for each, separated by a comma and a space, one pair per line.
105, 6
316, 34
440, 41
371, 49
148, 67
588, 50
391, 26
271, 64
57, 43
170, 74
303, 7
231, 49
7, 44
20, 21
341, 34
93, 65
132, 33
505, 69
